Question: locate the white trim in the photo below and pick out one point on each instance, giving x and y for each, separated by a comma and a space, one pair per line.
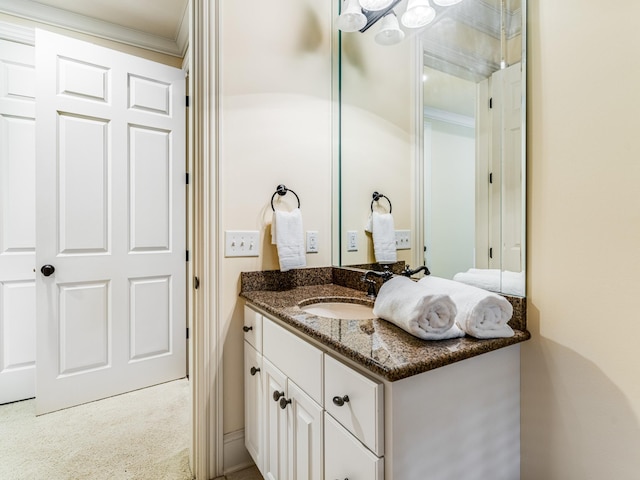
236, 456
206, 343
17, 33
449, 117
57, 17
417, 100
182, 39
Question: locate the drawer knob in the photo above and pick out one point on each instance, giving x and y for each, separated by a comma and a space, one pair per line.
284, 402
277, 395
246, 329
340, 401
254, 370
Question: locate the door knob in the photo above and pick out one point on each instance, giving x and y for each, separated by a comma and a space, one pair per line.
246, 329
277, 395
254, 370
284, 402
47, 270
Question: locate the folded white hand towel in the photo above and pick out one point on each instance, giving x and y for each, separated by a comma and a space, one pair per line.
428, 316
287, 235
511, 283
481, 314
383, 231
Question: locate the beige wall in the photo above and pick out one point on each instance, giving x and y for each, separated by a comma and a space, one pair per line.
581, 371
121, 47
275, 127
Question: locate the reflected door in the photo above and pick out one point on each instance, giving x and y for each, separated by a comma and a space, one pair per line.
110, 216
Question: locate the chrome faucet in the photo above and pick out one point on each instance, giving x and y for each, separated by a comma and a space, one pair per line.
371, 290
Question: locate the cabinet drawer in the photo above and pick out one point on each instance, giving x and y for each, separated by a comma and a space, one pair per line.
297, 359
346, 457
363, 413
253, 328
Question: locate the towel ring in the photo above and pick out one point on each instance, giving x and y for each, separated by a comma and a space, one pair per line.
282, 190
377, 196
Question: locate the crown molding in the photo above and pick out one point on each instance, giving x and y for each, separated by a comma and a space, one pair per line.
449, 117
17, 33
57, 17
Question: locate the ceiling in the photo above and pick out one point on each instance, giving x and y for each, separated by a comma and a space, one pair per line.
159, 25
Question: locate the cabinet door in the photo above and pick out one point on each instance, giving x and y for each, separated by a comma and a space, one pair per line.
253, 404
275, 437
346, 457
305, 435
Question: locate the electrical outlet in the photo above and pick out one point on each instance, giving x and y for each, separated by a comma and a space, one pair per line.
403, 239
312, 241
352, 241
241, 243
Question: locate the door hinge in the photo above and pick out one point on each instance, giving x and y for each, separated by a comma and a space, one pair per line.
186, 178
490, 252
196, 282
491, 178
186, 101
491, 102
187, 333
187, 255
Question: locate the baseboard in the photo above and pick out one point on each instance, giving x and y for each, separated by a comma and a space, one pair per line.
236, 457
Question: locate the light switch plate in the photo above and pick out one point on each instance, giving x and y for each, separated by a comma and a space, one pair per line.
352, 241
312, 241
403, 239
241, 243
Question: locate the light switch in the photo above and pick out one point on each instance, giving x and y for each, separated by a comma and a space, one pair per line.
312, 241
241, 243
352, 241
403, 239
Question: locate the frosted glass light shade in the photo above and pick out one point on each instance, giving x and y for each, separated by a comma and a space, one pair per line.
375, 5
390, 32
446, 3
419, 13
351, 19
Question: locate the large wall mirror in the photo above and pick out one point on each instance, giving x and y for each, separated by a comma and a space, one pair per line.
436, 123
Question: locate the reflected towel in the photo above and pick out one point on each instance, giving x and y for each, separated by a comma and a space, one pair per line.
404, 303
481, 314
510, 283
287, 235
383, 231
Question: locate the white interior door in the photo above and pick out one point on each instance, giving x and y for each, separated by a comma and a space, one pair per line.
17, 222
110, 218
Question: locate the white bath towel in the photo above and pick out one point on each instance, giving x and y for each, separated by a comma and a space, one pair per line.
481, 314
510, 283
409, 306
287, 235
383, 231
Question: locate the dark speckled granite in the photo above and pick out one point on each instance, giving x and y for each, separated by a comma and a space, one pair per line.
377, 345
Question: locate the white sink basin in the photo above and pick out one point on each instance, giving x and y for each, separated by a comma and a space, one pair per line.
340, 310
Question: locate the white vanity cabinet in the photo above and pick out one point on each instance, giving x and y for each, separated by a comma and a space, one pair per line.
331, 419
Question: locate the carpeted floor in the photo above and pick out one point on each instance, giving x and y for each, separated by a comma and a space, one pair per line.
142, 435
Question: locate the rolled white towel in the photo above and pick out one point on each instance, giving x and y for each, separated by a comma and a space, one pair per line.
428, 316
511, 283
481, 314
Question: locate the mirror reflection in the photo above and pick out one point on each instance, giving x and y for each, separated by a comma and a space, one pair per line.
436, 123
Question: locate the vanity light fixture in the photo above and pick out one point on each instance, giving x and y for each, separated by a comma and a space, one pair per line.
390, 32
419, 13
351, 19
446, 3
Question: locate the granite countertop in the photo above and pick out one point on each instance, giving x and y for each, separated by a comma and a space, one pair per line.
377, 345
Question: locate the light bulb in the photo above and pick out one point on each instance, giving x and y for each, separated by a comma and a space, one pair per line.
351, 19
390, 32
419, 13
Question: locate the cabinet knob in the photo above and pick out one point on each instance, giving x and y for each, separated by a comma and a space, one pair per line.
284, 402
277, 395
254, 370
340, 401
246, 329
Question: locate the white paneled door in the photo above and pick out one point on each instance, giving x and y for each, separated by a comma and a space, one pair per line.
17, 222
110, 241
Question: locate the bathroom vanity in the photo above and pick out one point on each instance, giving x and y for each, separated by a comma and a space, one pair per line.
332, 398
